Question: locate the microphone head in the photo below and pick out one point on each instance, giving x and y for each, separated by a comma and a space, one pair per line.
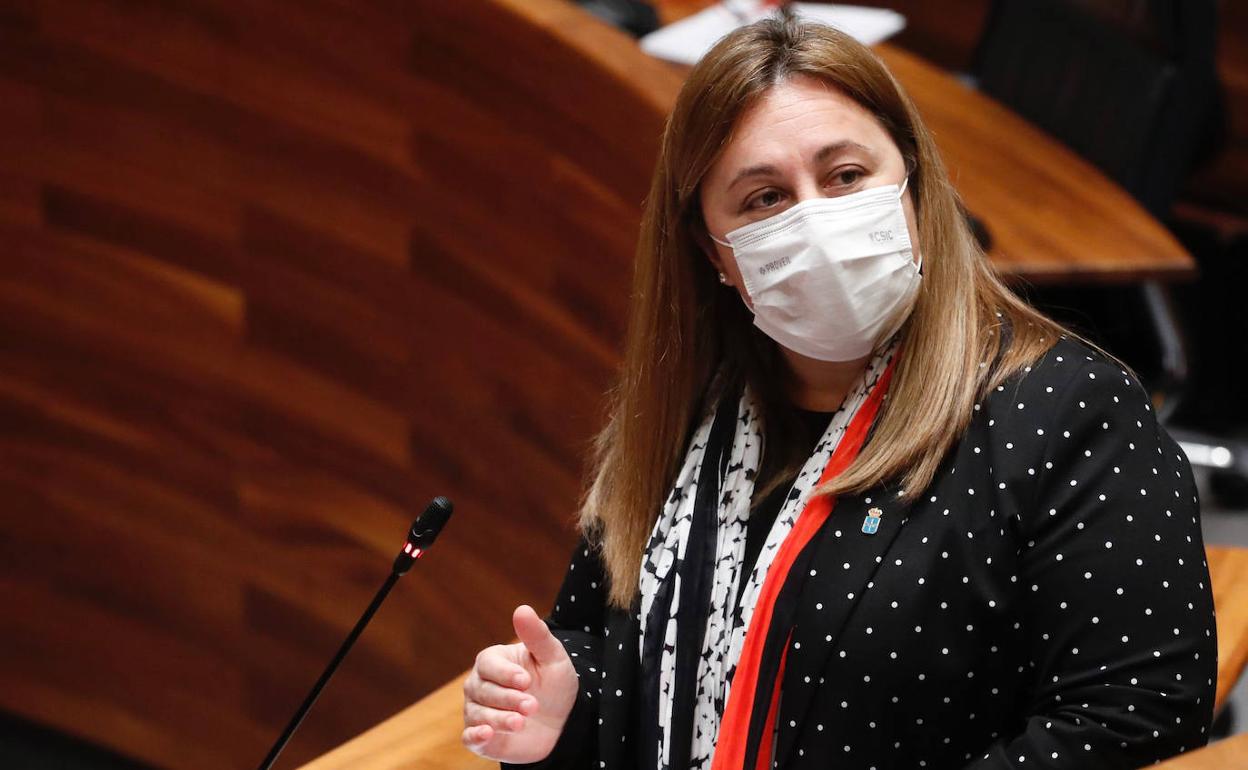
427, 526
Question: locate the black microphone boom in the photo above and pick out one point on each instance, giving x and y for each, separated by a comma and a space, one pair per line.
421, 535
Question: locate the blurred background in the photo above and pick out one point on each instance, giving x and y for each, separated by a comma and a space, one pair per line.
274, 274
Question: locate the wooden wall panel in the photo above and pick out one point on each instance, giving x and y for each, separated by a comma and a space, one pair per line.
272, 275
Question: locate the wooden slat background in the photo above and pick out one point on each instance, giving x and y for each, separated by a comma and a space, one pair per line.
272, 275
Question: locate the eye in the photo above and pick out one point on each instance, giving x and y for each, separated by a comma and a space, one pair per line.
767, 198
847, 176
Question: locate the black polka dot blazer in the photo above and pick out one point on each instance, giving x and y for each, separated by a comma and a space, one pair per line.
1045, 603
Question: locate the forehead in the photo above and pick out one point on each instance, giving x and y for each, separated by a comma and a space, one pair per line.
793, 119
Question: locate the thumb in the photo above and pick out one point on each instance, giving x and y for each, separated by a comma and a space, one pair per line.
536, 636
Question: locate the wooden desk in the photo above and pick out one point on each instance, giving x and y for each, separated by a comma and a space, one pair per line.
1053, 216
425, 736
1228, 572
1223, 755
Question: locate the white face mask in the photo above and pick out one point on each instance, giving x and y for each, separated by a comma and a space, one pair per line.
830, 278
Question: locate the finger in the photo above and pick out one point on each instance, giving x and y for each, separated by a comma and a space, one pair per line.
494, 666
505, 698
502, 721
476, 736
471, 683
483, 741
536, 636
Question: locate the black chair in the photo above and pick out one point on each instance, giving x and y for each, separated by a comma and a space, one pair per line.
1131, 86
1128, 84
636, 17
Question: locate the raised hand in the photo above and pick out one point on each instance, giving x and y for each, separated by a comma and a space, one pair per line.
518, 696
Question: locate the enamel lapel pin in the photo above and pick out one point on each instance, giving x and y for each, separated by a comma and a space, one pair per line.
871, 522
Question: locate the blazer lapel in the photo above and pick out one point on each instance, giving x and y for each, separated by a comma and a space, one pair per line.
618, 732
816, 640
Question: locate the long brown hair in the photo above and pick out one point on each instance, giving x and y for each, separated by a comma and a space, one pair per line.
689, 339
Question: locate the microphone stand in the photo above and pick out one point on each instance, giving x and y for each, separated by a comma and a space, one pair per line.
419, 538
297, 719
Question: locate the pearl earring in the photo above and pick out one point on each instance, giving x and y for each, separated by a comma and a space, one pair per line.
723, 278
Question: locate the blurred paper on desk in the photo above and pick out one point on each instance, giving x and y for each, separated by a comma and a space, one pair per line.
687, 40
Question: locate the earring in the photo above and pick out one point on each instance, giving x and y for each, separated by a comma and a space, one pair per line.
723, 278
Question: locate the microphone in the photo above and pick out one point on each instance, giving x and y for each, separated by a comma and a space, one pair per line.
423, 532
419, 537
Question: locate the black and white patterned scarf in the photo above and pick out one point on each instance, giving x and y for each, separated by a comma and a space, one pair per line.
692, 628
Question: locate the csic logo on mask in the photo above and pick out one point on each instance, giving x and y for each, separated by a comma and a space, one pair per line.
880, 236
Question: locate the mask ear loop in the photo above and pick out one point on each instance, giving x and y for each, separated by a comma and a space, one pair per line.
900, 193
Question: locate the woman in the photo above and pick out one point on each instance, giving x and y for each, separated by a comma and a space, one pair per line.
856, 504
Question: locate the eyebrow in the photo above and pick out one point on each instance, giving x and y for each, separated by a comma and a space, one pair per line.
823, 153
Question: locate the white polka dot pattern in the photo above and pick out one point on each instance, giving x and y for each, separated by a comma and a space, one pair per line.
1014, 620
